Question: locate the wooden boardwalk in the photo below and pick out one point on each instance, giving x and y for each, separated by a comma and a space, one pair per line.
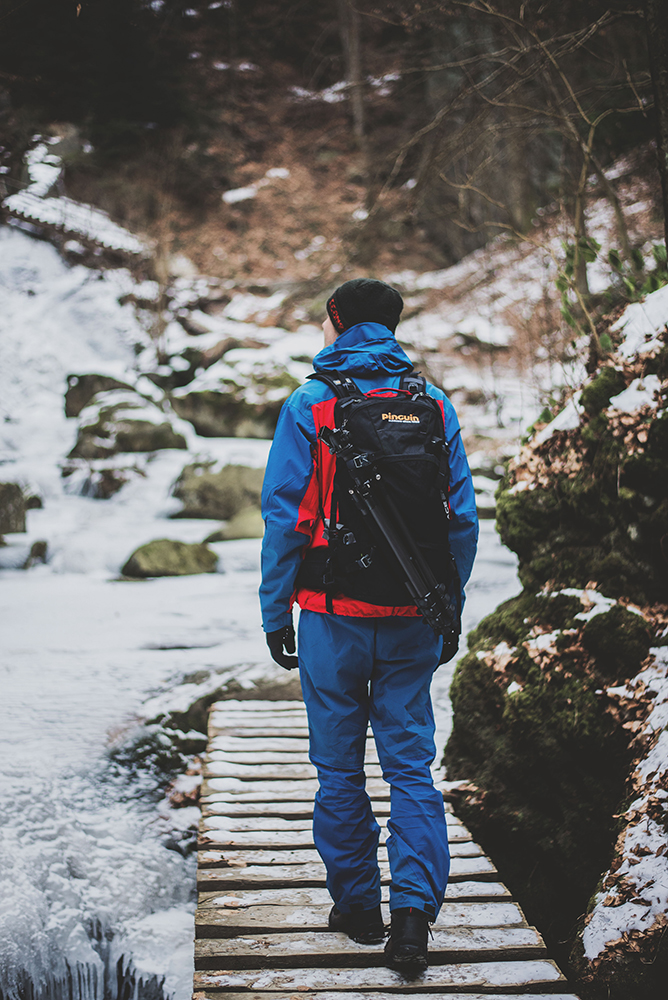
261, 924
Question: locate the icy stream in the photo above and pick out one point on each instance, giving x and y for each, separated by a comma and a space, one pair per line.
96, 884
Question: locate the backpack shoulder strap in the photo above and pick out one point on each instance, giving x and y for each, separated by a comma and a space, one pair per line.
413, 382
342, 385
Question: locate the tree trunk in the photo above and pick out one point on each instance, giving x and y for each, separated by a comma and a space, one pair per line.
656, 17
349, 26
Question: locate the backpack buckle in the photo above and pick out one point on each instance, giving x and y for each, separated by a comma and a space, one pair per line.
364, 561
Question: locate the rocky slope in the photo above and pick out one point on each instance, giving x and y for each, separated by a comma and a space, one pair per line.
559, 706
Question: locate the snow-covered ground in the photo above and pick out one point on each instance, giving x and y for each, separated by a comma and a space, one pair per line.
92, 867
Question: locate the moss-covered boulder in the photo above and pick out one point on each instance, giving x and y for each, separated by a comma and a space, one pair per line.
551, 699
12, 509
534, 731
220, 494
247, 523
166, 557
82, 389
123, 422
227, 414
590, 503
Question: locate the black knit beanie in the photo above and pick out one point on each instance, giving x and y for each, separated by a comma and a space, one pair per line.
364, 300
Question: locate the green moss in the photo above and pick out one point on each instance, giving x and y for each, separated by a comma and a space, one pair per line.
619, 640
597, 395
166, 557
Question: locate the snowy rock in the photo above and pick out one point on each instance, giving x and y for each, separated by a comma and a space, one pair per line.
166, 557
81, 389
124, 422
12, 509
227, 414
220, 494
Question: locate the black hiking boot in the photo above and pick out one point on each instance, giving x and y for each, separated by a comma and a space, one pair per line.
406, 950
363, 926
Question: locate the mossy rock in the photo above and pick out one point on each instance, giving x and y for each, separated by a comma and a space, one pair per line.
227, 414
116, 431
82, 389
247, 523
597, 394
619, 640
218, 495
166, 557
12, 509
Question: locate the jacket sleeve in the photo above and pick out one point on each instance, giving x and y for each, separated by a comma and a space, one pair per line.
464, 524
289, 508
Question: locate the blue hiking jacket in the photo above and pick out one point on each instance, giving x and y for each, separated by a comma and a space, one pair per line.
370, 354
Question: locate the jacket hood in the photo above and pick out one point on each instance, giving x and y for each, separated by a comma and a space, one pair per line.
363, 350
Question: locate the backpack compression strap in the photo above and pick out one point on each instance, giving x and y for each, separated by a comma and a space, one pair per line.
341, 384
346, 388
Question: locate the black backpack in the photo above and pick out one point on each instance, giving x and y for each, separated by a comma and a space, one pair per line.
391, 459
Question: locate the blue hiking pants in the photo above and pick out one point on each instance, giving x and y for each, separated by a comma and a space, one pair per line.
378, 670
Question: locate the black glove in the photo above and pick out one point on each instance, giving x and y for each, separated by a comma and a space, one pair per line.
283, 638
450, 647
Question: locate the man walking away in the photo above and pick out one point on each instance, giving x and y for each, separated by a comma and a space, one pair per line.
363, 657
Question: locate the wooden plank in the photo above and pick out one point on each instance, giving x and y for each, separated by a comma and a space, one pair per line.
223, 804
258, 772
243, 732
436, 979
242, 899
230, 920
378, 995
311, 948
248, 744
241, 859
210, 879
302, 790
261, 840
245, 705
215, 819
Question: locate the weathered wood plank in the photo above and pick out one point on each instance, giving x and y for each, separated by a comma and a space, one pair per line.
259, 772
436, 979
243, 899
310, 948
231, 920
243, 732
251, 705
209, 879
379, 995
215, 819
223, 804
302, 790
247, 744
264, 839
241, 859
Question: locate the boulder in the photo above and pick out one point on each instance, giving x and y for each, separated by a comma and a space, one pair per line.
220, 495
81, 389
247, 523
125, 423
12, 509
166, 557
227, 414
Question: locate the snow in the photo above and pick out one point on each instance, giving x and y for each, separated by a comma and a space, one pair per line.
641, 847
45, 169
239, 194
567, 420
641, 322
245, 193
641, 392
